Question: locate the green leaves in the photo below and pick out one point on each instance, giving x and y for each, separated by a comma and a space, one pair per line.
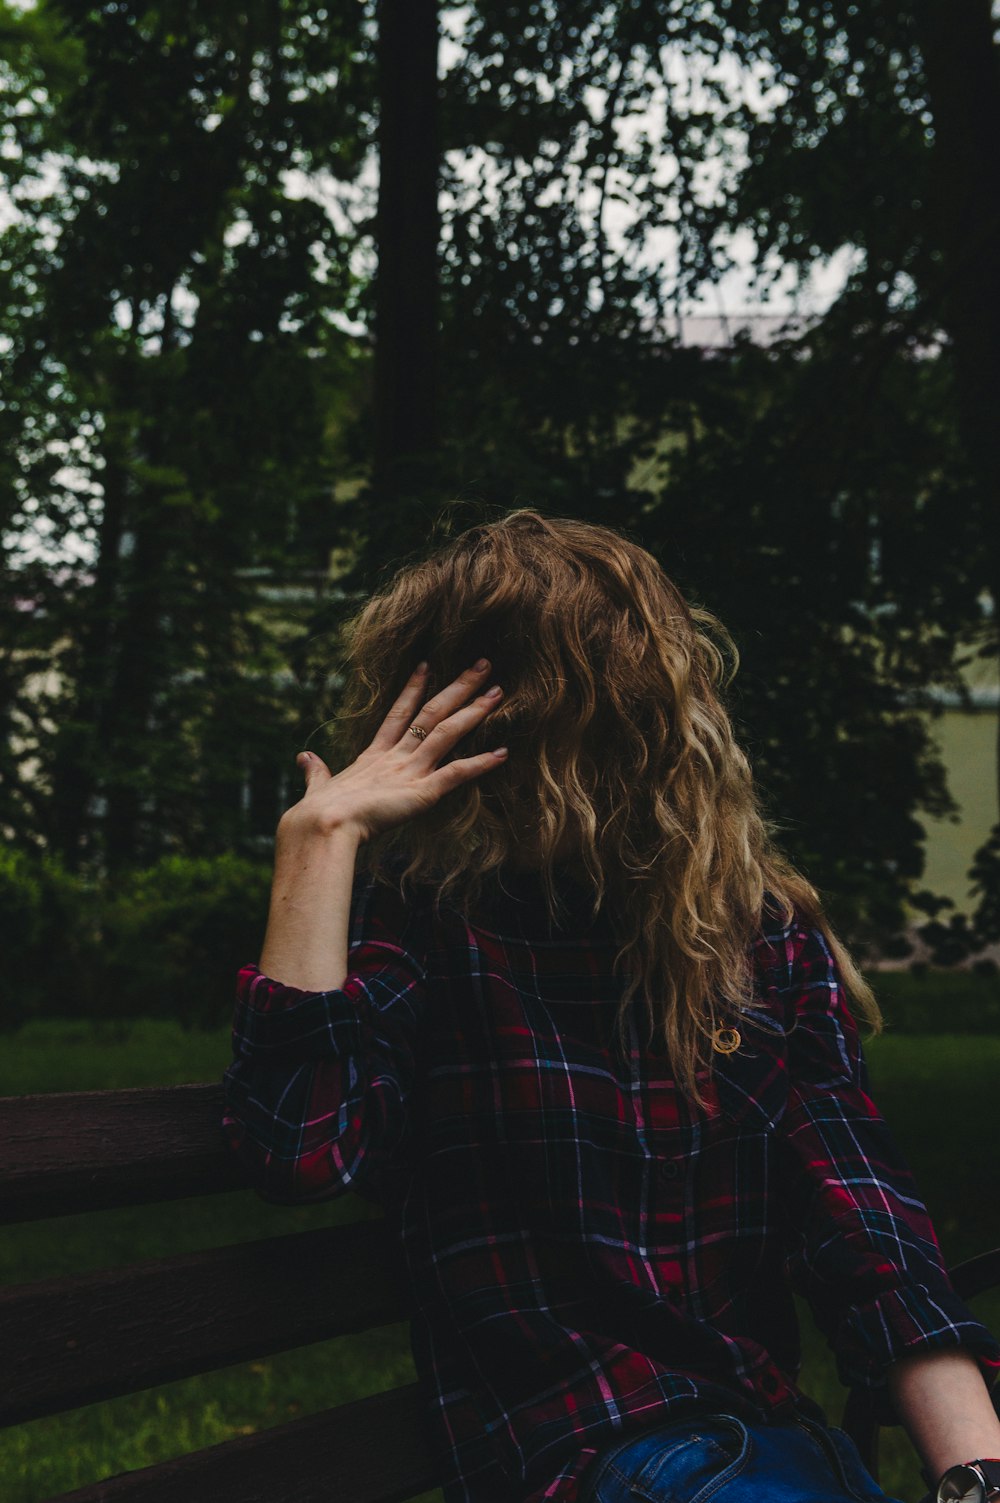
185, 322
165, 296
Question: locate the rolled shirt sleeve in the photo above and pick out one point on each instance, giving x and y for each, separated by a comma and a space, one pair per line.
318, 1093
863, 1250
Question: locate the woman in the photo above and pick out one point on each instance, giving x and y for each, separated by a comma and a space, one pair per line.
585, 1033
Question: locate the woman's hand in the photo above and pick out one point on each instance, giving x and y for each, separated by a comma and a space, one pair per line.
398, 776
306, 944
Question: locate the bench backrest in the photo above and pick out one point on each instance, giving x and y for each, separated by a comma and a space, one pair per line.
71, 1341
68, 1342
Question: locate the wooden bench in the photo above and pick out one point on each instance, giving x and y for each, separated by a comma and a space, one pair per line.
73, 1341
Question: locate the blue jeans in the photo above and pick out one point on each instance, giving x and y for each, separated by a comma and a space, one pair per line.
717, 1458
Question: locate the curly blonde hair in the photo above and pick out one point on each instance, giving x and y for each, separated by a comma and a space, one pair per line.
621, 751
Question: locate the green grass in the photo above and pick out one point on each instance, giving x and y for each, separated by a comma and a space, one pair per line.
50, 1456
65, 1055
937, 1093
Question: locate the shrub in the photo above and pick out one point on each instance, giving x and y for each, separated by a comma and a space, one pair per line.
49, 933
924, 999
20, 926
164, 942
176, 934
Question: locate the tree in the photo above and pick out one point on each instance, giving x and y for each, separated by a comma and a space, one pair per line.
880, 135
187, 399
817, 493
405, 397
168, 309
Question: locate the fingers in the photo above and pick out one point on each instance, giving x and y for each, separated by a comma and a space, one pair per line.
403, 711
449, 699
313, 768
409, 709
463, 770
446, 733
445, 718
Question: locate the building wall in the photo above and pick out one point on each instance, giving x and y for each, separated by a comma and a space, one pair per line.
967, 739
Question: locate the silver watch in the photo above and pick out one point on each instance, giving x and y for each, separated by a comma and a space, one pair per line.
970, 1482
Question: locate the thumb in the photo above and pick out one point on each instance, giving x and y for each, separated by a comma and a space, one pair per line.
314, 768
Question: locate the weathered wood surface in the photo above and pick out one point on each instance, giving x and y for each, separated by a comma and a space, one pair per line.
71, 1341
68, 1342
90, 1150
371, 1451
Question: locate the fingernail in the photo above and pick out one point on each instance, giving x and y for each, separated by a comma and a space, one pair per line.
499, 751
422, 667
492, 693
481, 665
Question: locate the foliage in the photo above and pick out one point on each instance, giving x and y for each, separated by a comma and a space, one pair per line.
49, 936
160, 942
923, 1000
821, 530
167, 295
186, 404
176, 934
821, 494
869, 130
20, 926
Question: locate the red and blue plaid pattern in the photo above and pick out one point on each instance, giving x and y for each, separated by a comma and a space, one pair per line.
587, 1253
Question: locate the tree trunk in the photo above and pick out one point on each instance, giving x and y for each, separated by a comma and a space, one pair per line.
81, 744
963, 80
406, 288
141, 669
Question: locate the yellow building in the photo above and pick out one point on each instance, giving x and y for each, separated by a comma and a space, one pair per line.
966, 734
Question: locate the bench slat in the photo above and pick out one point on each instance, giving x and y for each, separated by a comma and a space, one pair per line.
73, 1341
976, 1275
91, 1150
370, 1451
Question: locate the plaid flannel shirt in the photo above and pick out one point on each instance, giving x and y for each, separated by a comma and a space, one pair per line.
588, 1254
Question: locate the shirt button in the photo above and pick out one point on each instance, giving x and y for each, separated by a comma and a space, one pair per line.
669, 1170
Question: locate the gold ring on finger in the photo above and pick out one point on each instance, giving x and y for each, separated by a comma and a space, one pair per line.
418, 731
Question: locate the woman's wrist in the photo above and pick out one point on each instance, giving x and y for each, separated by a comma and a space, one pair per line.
303, 822
306, 943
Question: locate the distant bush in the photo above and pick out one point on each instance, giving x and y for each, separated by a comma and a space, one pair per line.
166, 942
928, 1000
163, 942
20, 925
176, 934
50, 937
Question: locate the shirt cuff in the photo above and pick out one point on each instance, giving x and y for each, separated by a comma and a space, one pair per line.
878, 1332
271, 1018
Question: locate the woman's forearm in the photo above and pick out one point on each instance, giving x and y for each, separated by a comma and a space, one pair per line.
307, 928
945, 1407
